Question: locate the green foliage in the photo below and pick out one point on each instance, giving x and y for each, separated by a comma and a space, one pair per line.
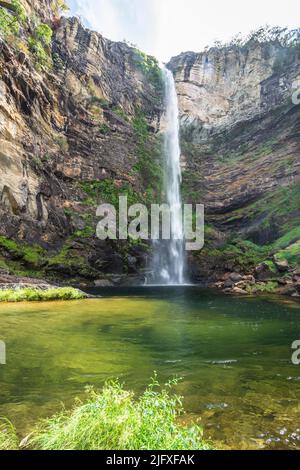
39, 52
57, 61
107, 191
44, 34
30, 254
36, 295
115, 419
8, 437
69, 259
89, 230
19, 10
287, 239
279, 206
150, 67
96, 101
236, 253
104, 129
149, 165
265, 287
119, 112
10, 23
270, 264
291, 254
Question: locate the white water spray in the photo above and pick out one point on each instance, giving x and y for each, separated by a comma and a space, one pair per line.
169, 256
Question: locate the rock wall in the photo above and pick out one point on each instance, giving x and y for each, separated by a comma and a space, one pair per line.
221, 87
240, 148
80, 119
70, 139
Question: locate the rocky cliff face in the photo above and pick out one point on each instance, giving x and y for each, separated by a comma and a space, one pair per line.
77, 123
241, 150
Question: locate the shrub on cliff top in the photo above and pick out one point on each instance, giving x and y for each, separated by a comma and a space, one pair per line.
115, 419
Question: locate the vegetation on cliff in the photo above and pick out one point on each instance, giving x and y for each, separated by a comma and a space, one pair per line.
150, 67
28, 34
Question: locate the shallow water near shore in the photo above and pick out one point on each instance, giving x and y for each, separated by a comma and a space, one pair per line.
233, 354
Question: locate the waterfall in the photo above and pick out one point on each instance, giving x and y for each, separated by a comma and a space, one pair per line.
169, 255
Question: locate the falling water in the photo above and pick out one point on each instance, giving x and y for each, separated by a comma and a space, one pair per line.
169, 256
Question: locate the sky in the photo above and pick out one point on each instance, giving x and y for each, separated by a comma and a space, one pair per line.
165, 28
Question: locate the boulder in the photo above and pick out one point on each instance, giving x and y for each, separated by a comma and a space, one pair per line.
238, 290
289, 290
236, 277
296, 278
250, 279
282, 265
264, 272
242, 284
228, 284
297, 286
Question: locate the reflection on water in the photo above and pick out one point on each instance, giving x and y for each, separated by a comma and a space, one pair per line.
233, 354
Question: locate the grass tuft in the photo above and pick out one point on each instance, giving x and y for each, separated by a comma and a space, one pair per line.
36, 295
8, 437
115, 419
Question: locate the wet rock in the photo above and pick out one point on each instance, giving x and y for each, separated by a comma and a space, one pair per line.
264, 272
297, 286
282, 265
235, 277
229, 283
131, 261
241, 285
284, 281
296, 295
249, 279
238, 290
227, 291
289, 290
296, 278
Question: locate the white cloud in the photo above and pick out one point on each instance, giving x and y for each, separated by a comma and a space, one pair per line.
168, 27
101, 16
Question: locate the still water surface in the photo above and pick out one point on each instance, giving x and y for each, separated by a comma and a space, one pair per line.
233, 354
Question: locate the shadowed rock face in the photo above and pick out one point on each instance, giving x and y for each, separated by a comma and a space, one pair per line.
41, 8
65, 127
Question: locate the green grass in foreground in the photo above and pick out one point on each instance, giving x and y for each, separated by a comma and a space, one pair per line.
115, 420
35, 295
8, 437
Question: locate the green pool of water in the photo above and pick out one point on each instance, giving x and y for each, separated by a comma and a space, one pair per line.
233, 354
